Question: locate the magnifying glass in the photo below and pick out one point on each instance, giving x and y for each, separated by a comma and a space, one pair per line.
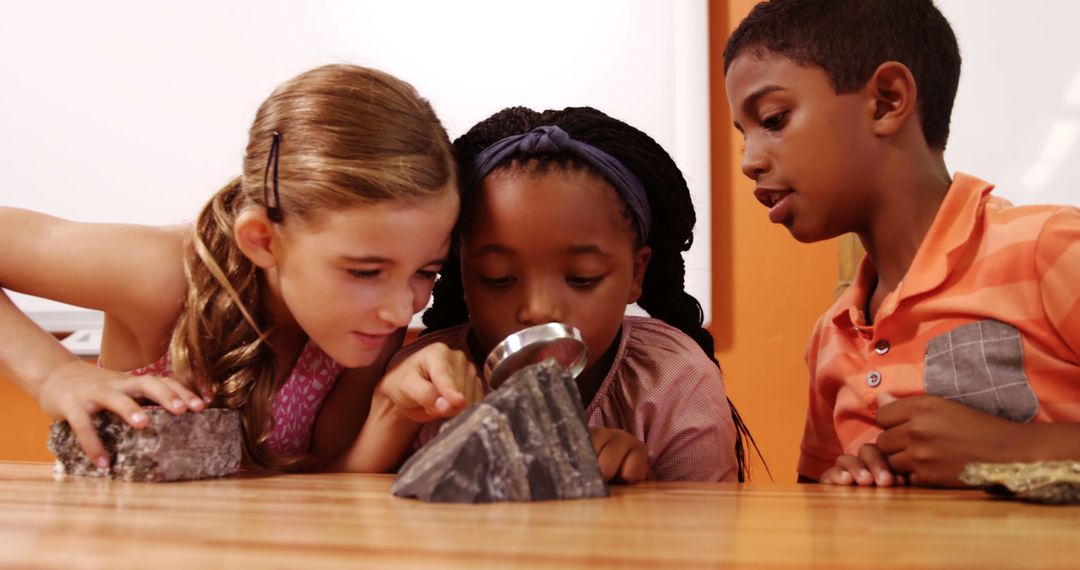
536, 344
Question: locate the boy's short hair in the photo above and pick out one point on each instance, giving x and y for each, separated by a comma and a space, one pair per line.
849, 39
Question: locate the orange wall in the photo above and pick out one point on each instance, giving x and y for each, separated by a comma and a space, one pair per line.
768, 289
23, 428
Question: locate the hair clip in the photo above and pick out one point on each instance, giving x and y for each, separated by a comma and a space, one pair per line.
273, 211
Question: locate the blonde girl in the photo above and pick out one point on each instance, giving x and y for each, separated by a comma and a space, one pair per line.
285, 297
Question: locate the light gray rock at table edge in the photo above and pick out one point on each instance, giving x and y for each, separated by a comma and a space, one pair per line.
1050, 482
526, 441
170, 448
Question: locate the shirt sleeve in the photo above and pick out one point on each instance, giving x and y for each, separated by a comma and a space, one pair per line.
820, 444
692, 437
1057, 265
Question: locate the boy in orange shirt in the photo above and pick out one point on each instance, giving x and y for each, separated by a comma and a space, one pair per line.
960, 339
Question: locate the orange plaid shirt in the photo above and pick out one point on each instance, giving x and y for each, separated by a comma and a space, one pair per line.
988, 315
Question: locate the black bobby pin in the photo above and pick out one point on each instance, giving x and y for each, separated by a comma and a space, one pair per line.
273, 211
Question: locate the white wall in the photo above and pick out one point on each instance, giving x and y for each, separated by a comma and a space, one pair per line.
1017, 117
138, 111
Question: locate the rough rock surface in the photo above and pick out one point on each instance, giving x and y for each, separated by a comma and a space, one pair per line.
1055, 482
526, 441
169, 448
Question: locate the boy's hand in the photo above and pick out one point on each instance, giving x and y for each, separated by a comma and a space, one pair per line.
622, 456
933, 438
869, 468
76, 389
435, 382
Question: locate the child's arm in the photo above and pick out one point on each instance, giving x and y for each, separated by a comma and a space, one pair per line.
933, 438
122, 270
434, 382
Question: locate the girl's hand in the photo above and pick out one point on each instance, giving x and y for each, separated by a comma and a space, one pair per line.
622, 456
869, 468
435, 382
76, 389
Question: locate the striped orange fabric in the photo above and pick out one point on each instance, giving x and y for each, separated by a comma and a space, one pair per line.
988, 315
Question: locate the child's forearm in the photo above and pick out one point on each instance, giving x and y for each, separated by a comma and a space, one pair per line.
1049, 442
384, 442
27, 353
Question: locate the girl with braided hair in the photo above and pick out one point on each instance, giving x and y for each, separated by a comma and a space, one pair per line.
570, 216
283, 300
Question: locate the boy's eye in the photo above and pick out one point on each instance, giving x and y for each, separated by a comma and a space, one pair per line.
579, 282
498, 282
774, 122
364, 273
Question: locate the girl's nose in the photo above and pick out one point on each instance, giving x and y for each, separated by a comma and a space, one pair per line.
397, 309
538, 307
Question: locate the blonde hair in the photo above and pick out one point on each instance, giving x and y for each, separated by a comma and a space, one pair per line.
349, 136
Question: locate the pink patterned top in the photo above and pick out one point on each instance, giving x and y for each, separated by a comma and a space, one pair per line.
661, 388
297, 402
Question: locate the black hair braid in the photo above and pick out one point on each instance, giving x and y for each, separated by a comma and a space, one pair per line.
663, 293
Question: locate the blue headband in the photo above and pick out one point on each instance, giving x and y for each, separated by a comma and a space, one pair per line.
550, 138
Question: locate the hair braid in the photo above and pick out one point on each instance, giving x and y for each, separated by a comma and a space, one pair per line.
663, 293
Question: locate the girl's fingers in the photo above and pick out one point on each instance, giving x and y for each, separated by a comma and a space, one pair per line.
418, 393
122, 405
635, 466
444, 368
83, 428
158, 391
194, 401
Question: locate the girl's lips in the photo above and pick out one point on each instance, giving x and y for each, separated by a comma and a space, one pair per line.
371, 340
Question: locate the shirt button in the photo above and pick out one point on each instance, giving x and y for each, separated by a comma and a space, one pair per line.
873, 379
881, 347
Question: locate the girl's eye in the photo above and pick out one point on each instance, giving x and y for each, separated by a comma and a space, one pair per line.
364, 273
774, 122
428, 275
579, 282
497, 282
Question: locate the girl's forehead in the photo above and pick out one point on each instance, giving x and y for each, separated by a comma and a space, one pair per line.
552, 206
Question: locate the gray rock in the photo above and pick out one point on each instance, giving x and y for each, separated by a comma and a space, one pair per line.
169, 448
526, 441
1052, 482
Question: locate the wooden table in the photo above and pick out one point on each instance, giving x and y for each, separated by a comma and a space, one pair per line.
342, 520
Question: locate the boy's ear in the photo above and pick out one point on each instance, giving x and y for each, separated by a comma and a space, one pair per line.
895, 97
641, 263
254, 234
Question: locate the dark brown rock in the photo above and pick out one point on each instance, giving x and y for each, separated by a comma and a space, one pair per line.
169, 448
526, 441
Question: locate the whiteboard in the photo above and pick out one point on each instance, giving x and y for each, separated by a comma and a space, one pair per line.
134, 111
1016, 122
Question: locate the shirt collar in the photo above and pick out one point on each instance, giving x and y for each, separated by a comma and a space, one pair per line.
952, 227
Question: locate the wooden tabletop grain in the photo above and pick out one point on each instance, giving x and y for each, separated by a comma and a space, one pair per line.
349, 521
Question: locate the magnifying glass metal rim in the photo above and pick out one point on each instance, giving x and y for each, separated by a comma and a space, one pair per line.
545, 333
